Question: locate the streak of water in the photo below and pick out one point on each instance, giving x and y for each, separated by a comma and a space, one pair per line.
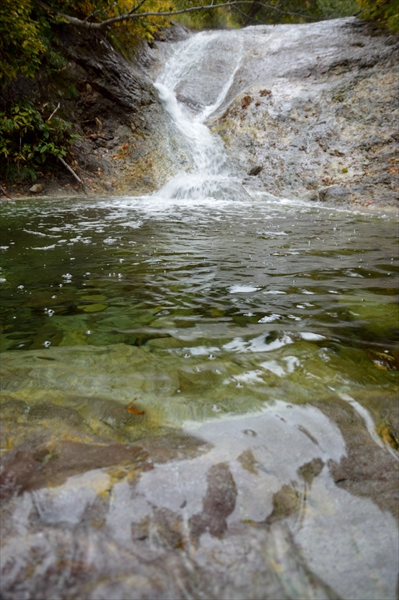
210, 174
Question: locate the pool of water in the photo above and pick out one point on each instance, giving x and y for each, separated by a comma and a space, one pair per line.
197, 308
248, 346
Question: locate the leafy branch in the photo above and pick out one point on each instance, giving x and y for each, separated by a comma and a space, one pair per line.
134, 13
29, 142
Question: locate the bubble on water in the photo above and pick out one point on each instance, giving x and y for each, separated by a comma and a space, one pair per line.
47, 344
250, 432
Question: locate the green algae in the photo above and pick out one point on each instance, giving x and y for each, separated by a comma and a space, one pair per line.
93, 308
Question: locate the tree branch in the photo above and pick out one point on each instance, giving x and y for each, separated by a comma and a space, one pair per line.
84, 24
53, 113
73, 173
2, 190
96, 12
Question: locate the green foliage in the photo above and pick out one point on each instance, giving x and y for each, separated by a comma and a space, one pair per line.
73, 91
21, 47
333, 9
295, 11
206, 19
385, 12
126, 31
28, 142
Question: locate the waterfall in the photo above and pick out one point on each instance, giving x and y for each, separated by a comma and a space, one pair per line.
209, 175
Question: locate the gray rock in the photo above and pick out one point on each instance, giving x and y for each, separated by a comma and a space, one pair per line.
333, 193
255, 171
331, 130
37, 188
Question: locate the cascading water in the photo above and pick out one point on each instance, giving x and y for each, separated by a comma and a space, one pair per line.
209, 174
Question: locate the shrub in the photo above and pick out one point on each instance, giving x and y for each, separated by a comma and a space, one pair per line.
385, 12
29, 143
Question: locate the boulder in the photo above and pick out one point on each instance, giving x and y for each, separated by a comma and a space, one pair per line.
37, 188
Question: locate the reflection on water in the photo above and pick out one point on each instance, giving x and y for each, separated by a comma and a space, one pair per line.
204, 379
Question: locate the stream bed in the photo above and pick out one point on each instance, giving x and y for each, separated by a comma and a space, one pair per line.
199, 389
248, 349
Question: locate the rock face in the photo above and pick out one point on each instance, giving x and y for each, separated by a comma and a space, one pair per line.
114, 108
315, 106
121, 114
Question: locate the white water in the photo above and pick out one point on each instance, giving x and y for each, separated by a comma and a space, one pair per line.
209, 175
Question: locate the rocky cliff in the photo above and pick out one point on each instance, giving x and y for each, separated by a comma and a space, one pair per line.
314, 112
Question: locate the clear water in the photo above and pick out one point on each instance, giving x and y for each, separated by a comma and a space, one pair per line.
267, 328
234, 303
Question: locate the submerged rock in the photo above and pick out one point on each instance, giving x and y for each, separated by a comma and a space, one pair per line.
208, 512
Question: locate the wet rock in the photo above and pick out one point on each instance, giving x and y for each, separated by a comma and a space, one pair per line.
47, 411
170, 529
332, 193
368, 470
30, 467
218, 504
248, 461
37, 188
174, 445
255, 171
12, 409
311, 470
286, 503
171, 520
